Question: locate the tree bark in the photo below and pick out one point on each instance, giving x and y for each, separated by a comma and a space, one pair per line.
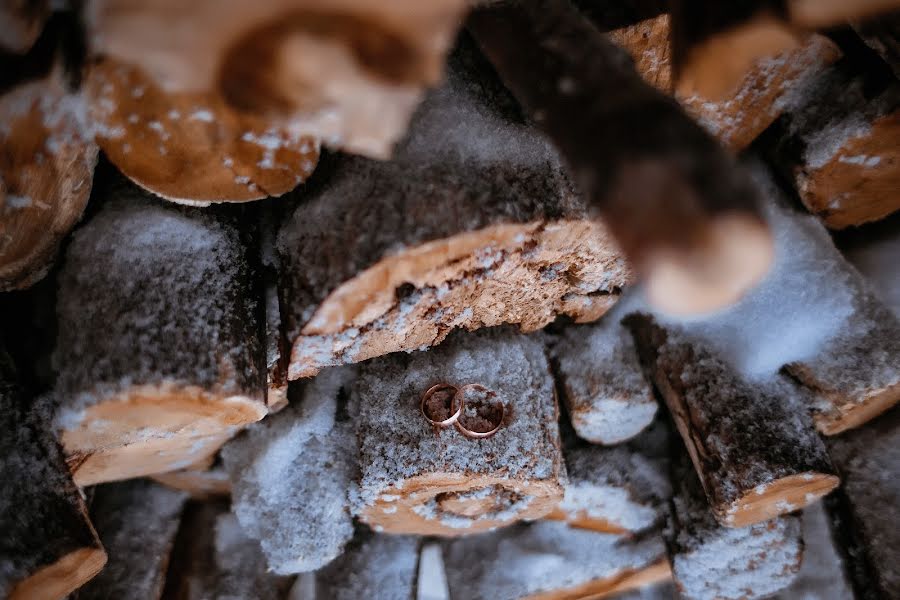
137, 522
48, 547
476, 226
677, 204
179, 368
753, 445
414, 480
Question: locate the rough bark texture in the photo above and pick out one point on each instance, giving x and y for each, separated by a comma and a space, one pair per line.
551, 561
608, 398
47, 160
753, 445
838, 144
758, 96
711, 562
159, 353
137, 522
475, 225
21, 22
48, 547
348, 72
414, 480
291, 475
867, 459
675, 201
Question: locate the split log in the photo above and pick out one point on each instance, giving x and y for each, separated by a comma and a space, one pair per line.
291, 475
48, 547
414, 480
752, 443
476, 226
204, 482
757, 97
837, 142
348, 72
613, 490
137, 522
47, 160
180, 367
882, 34
608, 398
21, 22
724, 563
551, 561
675, 201
375, 567
867, 459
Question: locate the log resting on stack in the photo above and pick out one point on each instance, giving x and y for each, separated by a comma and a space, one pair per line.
739, 116
291, 475
159, 352
47, 160
712, 562
48, 547
753, 444
607, 396
416, 480
474, 224
137, 522
348, 72
551, 561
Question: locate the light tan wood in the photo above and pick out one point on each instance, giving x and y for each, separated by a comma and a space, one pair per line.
582, 520
200, 484
658, 572
846, 413
63, 577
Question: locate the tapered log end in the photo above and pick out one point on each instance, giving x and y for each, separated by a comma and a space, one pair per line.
62, 577
780, 497
849, 416
736, 255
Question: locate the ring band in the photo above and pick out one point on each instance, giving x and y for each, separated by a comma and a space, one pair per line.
477, 435
431, 392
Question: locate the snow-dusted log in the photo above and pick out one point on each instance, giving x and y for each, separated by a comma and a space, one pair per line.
675, 201
348, 72
159, 353
137, 522
613, 490
48, 547
757, 97
47, 160
711, 562
21, 22
837, 143
753, 444
473, 224
416, 480
607, 396
291, 475
866, 506
551, 561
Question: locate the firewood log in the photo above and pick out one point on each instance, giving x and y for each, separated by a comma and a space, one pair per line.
346, 71
48, 546
416, 480
551, 561
200, 484
474, 224
867, 504
710, 561
757, 97
21, 22
608, 398
837, 142
882, 34
137, 522
675, 201
752, 443
47, 160
159, 353
613, 490
291, 475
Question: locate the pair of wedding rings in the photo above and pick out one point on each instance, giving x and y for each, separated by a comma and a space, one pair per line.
457, 409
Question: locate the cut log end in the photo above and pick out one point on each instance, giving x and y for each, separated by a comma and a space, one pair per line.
776, 498
151, 430
735, 257
62, 577
848, 415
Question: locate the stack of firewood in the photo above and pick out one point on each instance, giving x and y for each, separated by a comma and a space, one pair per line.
523, 299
